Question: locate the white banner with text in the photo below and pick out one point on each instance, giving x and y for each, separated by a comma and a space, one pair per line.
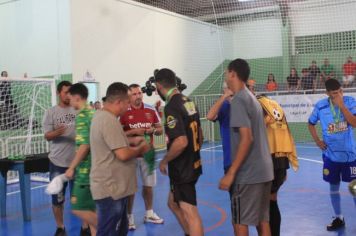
299, 107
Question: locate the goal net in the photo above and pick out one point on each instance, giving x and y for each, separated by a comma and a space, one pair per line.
298, 44
23, 103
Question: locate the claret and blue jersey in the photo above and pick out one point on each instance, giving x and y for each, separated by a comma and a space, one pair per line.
337, 133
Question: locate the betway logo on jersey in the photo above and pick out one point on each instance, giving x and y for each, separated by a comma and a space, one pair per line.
140, 125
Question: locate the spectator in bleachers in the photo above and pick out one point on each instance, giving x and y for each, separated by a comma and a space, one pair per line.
314, 70
5, 90
293, 81
348, 69
308, 81
327, 72
4, 74
271, 84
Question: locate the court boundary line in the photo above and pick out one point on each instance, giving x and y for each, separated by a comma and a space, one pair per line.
209, 149
45, 185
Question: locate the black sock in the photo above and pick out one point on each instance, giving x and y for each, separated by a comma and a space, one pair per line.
274, 218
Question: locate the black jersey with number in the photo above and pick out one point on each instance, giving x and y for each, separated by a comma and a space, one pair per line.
182, 119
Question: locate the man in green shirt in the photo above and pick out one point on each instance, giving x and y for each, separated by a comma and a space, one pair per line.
327, 72
82, 202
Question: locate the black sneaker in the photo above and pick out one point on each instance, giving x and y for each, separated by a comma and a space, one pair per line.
336, 224
85, 232
60, 232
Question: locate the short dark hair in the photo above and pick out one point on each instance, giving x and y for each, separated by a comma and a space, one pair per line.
304, 70
332, 85
3, 73
167, 78
64, 83
79, 89
241, 68
116, 91
131, 86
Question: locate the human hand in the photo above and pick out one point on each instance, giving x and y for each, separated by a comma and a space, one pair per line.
136, 140
69, 173
338, 100
150, 130
60, 130
163, 167
321, 144
226, 182
145, 147
227, 93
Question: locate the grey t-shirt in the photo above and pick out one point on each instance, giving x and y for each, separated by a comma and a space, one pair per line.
247, 112
62, 148
109, 177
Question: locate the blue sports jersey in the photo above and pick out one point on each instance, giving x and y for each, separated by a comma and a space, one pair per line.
224, 122
338, 137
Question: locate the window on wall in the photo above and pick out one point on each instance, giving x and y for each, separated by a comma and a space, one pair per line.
325, 42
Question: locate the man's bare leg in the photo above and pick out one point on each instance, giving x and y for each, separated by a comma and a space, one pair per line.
147, 195
90, 218
193, 219
58, 215
263, 229
240, 230
177, 211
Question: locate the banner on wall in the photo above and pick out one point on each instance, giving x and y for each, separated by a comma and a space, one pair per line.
299, 107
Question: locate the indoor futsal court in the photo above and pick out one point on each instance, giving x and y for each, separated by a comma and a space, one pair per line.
303, 201
101, 91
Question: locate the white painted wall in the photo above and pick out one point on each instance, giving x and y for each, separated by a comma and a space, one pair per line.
125, 41
257, 39
35, 37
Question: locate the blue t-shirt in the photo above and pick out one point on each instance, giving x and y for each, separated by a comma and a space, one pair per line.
224, 122
338, 137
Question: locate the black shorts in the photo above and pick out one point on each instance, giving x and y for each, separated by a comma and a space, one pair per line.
280, 166
184, 193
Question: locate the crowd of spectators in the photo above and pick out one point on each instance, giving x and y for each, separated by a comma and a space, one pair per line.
313, 77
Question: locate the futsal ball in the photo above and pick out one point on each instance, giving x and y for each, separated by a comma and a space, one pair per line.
352, 187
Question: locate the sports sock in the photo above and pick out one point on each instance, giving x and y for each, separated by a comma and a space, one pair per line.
335, 199
274, 218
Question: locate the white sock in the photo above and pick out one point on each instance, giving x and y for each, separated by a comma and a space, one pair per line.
340, 217
149, 212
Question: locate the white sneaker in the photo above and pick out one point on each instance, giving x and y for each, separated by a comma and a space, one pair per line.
154, 218
131, 220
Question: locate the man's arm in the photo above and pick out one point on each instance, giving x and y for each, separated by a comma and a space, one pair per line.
50, 135
135, 132
128, 153
315, 136
338, 100
214, 110
177, 147
350, 118
80, 154
155, 130
242, 151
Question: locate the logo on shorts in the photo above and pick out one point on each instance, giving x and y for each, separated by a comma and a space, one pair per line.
171, 122
326, 172
73, 200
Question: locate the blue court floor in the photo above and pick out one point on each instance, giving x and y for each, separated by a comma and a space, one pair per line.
303, 200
